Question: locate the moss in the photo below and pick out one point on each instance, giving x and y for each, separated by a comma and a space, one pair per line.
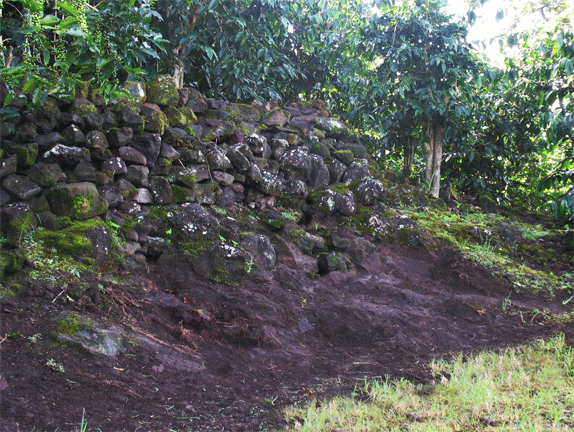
23, 225
26, 154
294, 233
189, 115
360, 219
160, 121
88, 261
340, 188
67, 243
409, 236
194, 247
11, 263
11, 290
175, 117
70, 325
189, 130
84, 226
129, 194
182, 194
164, 163
82, 89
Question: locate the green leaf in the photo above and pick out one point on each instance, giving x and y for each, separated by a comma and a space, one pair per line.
33, 5
67, 8
49, 21
211, 54
569, 67
29, 86
67, 24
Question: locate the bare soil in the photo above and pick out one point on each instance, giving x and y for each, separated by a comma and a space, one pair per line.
202, 356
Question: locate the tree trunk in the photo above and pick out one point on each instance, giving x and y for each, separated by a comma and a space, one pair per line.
178, 68
433, 149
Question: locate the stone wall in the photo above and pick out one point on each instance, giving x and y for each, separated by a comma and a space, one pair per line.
169, 146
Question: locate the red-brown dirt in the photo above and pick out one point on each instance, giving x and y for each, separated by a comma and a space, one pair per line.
202, 356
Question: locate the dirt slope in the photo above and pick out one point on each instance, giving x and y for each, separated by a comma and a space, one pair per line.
194, 355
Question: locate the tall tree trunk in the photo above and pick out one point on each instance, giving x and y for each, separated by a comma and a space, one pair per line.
433, 149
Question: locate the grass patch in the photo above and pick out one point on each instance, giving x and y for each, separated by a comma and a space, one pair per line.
456, 229
529, 388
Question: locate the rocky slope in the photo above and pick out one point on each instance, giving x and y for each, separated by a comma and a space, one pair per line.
177, 263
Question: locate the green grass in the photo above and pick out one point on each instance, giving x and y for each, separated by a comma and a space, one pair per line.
529, 388
454, 229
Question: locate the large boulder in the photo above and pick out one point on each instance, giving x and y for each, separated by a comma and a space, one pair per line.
369, 191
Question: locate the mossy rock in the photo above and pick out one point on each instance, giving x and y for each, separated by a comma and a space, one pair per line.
70, 323
83, 107
82, 89
162, 91
22, 224
26, 154
189, 115
65, 243
223, 263
274, 219
77, 201
248, 113
75, 330
175, 117
333, 127
276, 117
157, 121
11, 262
345, 156
182, 194
136, 90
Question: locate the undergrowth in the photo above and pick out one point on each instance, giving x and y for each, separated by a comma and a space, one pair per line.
482, 247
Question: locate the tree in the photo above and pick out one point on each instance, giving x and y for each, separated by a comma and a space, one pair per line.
424, 75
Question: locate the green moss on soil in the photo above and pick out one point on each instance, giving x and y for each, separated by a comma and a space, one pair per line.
70, 325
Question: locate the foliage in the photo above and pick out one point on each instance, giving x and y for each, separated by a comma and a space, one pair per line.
259, 49
403, 71
422, 79
46, 49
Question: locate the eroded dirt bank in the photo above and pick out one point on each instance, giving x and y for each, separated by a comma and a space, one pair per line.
195, 355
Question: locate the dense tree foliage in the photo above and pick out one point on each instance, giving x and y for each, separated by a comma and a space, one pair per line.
403, 71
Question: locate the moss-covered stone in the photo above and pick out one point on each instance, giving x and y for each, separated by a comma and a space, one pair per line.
248, 113
64, 242
83, 107
136, 90
345, 156
162, 90
26, 154
77, 200
182, 194
175, 117
155, 120
82, 89
276, 117
189, 115
11, 262
45, 175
